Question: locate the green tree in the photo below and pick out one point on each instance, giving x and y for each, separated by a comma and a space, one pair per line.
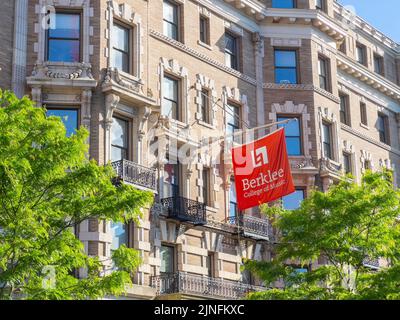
47, 187
344, 226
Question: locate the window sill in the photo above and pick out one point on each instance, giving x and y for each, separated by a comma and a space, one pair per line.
205, 45
364, 126
205, 124
211, 209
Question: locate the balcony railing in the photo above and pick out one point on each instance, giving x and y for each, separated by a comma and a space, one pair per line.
136, 174
252, 226
202, 286
185, 210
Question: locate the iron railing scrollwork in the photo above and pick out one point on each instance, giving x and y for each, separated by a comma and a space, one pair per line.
184, 209
191, 284
136, 174
250, 225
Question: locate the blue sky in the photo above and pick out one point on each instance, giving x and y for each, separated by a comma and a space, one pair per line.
382, 14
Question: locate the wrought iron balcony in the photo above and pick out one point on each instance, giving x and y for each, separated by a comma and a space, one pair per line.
136, 174
371, 263
185, 210
252, 227
198, 285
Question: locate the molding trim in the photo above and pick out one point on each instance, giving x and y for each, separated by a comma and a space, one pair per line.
180, 46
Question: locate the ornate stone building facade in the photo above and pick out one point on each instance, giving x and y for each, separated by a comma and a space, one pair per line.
155, 81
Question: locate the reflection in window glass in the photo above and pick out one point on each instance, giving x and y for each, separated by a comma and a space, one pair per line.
170, 101
231, 51
120, 56
68, 117
285, 66
119, 140
119, 235
233, 206
63, 41
170, 20
288, 4
293, 200
167, 259
292, 135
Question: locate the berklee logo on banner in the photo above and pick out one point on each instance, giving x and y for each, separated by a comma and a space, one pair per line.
262, 171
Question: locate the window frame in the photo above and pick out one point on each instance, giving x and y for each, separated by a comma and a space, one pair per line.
363, 114
324, 77
205, 105
130, 44
331, 153
204, 21
299, 121
362, 47
380, 59
129, 139
347, 155
69, 108
296, 51
178, 95
236, 53
344, 114
173, 257
178, 20
237, 116
47, 35
385, 132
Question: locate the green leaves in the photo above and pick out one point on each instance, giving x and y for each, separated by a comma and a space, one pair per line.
48, 187
343, 227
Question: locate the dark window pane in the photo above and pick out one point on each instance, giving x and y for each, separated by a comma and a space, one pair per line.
68, 117
64, 50
293, 200
170, 101
346, 163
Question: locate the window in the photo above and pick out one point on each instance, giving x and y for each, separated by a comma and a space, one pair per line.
293, 200
120, 54
171, 20
68, 116
383, 128
119, 235
204, 29
119, 139
233, 118
343, 47
363, 113
292, 135
233, 206
285, 66
347, 163
206, 185
211, 264
367, 165
170, 104
288, 4
326, 140
323, 72
64, 41
171, 180
344, 109
378, 64
231, 51
320, 5
205, 105
360, 53
167, 255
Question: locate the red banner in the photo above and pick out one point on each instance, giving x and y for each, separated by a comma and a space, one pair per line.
262, 171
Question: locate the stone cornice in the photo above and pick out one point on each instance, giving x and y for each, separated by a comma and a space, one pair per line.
367, 28
363, 74
369, 139
180, 46
307, 87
